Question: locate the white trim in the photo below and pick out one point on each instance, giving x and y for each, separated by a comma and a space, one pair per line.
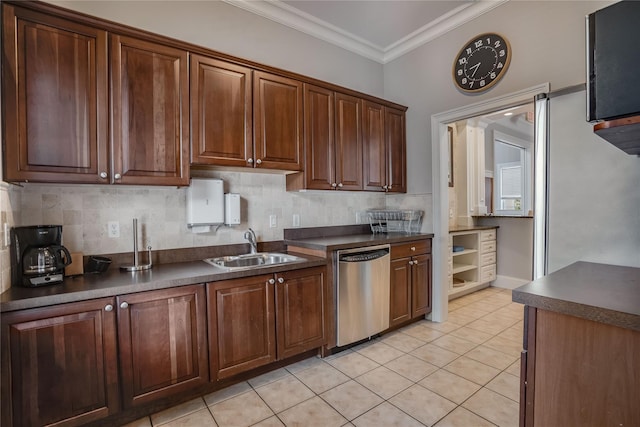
441, 187
508, 282
284, 14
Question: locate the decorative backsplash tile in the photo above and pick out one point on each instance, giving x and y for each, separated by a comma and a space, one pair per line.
85, 210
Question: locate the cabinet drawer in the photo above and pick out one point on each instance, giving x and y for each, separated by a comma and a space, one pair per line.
404, 250
488, 258
489, 246
488, 273
487, 235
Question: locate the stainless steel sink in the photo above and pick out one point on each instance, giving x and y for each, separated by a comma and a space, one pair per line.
261, 259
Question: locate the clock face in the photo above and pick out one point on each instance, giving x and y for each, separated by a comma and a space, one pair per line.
481, 63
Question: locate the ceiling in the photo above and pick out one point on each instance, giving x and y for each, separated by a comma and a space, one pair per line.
381, 30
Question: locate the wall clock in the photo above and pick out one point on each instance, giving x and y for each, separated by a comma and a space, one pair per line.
481, 63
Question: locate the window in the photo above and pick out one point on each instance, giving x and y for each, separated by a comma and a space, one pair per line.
512, 166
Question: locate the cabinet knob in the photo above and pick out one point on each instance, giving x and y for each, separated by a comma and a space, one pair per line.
334, 185
108, 307
384, 187
410, 262
280, 280
340, 185
103, 175
389, 187
117, 176
249, 160
258, 162
124, 304
415, 262
272, 281
413, 248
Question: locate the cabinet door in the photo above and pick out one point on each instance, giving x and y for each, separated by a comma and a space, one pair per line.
162, 340
241, 325
150, 113
375, 156
421, 285
400, 296
300, 311
278, 122
395, 141
54, 98
319, 138
59, 364
221, 115
348, 152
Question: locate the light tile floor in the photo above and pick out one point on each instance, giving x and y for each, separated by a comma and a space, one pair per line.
462, 372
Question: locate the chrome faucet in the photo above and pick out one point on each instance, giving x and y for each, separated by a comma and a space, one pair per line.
250, 235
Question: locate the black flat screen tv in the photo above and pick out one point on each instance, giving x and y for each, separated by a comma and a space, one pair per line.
613, 61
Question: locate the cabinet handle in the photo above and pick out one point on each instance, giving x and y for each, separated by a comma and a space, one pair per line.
384, 187
413, 248
249, 160
117, 176
280, 280
108, 307
415, 262
271, 281
410, 262
258, 162
389, 187
340, 185
334, 185
124, 305
103, 175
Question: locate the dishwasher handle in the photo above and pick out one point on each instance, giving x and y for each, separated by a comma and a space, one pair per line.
364, 256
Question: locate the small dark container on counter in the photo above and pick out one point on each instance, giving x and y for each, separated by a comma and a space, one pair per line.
97, 264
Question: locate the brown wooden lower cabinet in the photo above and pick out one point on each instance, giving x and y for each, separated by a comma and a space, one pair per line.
162, 343
578, 372
256, 320
410, 295
59, 364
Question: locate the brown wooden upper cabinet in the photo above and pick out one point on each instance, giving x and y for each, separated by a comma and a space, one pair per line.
277, 122
384, 148
149, 112
221, 113
55, 98
333, 140
59, 364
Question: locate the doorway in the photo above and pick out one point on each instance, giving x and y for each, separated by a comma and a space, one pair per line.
440, 142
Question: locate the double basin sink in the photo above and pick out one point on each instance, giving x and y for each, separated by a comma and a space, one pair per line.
248, 261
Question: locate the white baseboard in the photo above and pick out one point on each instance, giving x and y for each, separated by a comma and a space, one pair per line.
508, 282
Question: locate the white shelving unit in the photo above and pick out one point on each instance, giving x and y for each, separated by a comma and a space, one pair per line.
474, 267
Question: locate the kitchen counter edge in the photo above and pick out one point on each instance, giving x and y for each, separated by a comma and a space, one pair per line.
604, 293
114, 282
334, 243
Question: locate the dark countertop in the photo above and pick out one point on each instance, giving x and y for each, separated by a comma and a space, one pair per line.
457, 228
603, 293
114, 282
333, 243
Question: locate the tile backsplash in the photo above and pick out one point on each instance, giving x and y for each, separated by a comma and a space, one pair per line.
85, 210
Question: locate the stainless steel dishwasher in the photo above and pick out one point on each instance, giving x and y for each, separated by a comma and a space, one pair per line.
363, 293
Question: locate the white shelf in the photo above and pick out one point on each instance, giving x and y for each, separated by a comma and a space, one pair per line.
459, 268
465, 252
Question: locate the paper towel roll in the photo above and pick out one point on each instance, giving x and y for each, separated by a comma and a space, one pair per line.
201, 229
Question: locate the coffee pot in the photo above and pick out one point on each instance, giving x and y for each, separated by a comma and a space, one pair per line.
37, 255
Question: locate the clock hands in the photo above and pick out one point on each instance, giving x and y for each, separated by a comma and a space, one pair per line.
476, 69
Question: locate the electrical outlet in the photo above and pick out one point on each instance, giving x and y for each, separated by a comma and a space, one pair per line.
273, 222
296, 220
113, 229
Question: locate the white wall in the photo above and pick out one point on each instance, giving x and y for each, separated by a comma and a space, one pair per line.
547, 40
594, 192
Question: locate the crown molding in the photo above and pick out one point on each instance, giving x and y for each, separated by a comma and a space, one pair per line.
284, 14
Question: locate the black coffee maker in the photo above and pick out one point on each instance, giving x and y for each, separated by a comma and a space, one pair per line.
37, 255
